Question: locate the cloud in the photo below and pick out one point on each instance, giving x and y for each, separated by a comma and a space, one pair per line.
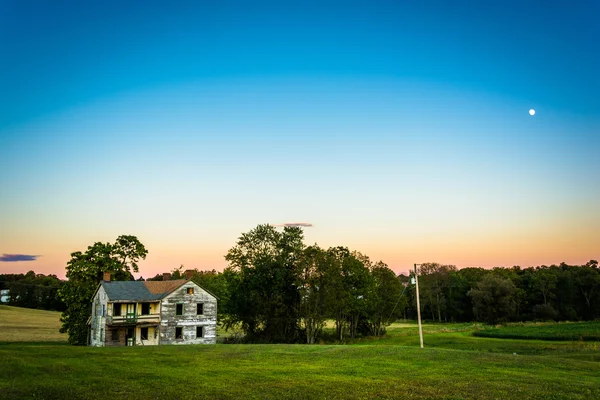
297, 224
17, 257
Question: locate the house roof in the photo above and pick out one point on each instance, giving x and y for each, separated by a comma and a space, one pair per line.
140, 290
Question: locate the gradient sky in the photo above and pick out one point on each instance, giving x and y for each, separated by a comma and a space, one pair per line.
399, 129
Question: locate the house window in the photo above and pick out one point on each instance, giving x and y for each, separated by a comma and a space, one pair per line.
115, 335
103, 310
200, 308
199, 331
178, 333
144, 333
145, 308
179, 309
190, 290
117, 309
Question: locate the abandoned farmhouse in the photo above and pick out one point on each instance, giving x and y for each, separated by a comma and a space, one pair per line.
132, 313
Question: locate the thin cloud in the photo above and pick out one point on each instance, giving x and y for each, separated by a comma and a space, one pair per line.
295, 224
17, 257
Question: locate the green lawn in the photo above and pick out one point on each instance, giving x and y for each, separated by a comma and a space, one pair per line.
462, 337
582, 331
453, 365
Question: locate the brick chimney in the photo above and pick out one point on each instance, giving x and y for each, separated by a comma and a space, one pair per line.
106, 276
189, 274
166, 276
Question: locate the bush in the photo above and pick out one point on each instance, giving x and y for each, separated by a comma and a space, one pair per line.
545, 312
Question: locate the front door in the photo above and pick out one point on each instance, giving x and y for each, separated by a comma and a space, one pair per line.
130, 337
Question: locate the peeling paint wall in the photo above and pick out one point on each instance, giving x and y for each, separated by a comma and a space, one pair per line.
98, 321
152, 338
190, 320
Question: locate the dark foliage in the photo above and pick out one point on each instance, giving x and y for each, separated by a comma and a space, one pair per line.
33, 290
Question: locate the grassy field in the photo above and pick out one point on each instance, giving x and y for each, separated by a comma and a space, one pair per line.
586, 331
462, 337
453, 365
27, 325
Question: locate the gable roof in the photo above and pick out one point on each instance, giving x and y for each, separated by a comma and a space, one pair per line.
140, 290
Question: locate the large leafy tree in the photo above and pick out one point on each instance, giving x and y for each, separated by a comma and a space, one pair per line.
350, 285
85, 270
263, 274
386, 301
317, 272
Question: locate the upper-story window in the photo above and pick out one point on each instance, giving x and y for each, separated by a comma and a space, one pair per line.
179, 309
190, 290
145, 308
117, 309
200, 308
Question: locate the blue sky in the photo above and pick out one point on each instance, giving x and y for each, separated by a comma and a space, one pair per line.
399, 129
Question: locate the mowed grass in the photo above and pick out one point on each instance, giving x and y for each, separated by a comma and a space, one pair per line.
462, 337
27, 325
287, 371
453, 365
584, 331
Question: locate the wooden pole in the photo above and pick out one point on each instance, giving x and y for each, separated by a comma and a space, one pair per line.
418, 307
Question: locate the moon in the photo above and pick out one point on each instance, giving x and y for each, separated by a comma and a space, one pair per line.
532, 112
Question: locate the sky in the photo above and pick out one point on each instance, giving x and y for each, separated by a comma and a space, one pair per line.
399, 129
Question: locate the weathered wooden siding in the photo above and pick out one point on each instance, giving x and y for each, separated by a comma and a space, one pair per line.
190, 320
121, 341
98, 321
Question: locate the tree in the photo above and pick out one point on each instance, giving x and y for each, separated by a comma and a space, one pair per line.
587, 279
493, 299
458, 303
544, 282
385, 303
263, 273
85, 270
317, 272
434, 280
350, 284
358, 287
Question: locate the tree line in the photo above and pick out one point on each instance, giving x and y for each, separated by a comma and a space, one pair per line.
557, 292
32, 290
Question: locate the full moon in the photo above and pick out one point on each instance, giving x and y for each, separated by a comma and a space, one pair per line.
532, 112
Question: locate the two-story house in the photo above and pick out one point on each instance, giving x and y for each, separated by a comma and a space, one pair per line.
131, 313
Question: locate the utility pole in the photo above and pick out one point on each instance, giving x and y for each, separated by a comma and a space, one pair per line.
418, 306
